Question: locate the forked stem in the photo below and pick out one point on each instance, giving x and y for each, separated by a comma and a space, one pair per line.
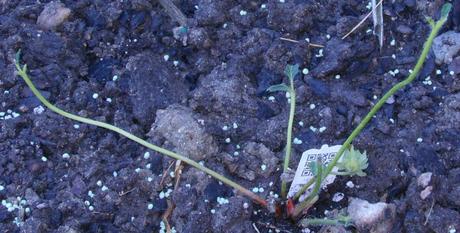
435, 27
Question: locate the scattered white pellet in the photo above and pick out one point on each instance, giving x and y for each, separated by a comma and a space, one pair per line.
109, 100
44, 159
243, 12
65, 156
438, 72
297, 141
15, 114
2, 187
261, 190
393, 42
95, 96
245, 205
99, 183
175, 63
322, 129
87, 203
76, 126
39, 110
172, 174
91, 194
263, 167
228, 140
115, 78
337, 76
147, 155
320, 53
222, 201
150, 206
305, 71
338, 197
301, 123
104, 188
162, 195
236, 153
213, 211
149, 179
225, 128
312, 106
115, 174
255, 190
235, 125
91, 208
392, 120
307, 40
271, 98
137, 170
166, 57
451, 72
282, 1
263, 6
314, 129
328, 36
350, 184
419, 139
393, 56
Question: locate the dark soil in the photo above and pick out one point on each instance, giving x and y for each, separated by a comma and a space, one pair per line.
61, 176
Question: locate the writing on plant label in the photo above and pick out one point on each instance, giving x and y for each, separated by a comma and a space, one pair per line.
303, 173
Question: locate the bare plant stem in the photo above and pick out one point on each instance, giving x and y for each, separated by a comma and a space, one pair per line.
23, 73
426, 48
287, 155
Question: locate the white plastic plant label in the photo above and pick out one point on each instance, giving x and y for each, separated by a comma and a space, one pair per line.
303, 173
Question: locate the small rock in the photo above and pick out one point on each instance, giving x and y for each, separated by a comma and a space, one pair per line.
337, 57
445, 46
404, 29
180, 127
54, 14
426, 192
424, 179
377, 218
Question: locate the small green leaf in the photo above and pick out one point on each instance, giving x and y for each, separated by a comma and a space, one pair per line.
315, 167
353, 162
446, 10
291, 71
278, 87
430, 21
17, 57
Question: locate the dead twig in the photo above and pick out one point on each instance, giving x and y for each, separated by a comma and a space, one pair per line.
165, 173
362, 21
178, 172
296, 41
126, 192
166, 215
174, 12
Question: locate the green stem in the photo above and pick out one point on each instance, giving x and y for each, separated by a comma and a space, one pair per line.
304, 188
426, 48
319, 222
287, 156
23, 73
313, 196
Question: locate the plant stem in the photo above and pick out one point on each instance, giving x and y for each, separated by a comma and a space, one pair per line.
23, 73
303, 189
287, 156
319, 222
426, 48
313, 196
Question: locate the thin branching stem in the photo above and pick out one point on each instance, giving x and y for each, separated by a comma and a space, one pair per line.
426, 48
23, 73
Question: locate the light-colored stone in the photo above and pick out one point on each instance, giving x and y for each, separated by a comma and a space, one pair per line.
372, 217
424, 179
54, 14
